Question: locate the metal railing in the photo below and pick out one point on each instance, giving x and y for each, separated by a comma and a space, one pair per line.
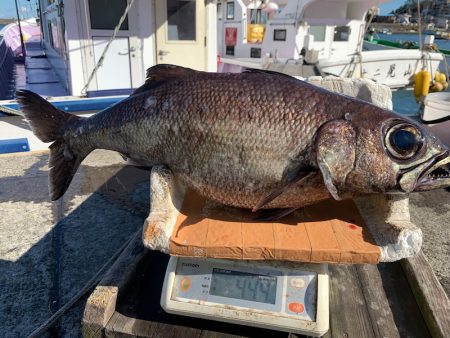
6, 70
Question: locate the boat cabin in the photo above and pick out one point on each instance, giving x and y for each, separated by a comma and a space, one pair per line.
289, 30
164, 31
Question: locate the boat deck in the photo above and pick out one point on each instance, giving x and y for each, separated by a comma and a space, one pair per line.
48, 251
36, 74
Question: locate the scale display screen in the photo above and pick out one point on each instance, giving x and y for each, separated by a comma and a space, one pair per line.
243, 285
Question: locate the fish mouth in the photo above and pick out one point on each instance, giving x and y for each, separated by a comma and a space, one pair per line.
436, 175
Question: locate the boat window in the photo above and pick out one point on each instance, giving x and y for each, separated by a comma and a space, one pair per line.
279, 35
341, 33
318, 32
255, 53
181, 19
105, 14
258, 17
230, 10
219, 11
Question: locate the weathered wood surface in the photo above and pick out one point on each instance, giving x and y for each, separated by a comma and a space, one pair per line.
101, 304
430, 295
365, 301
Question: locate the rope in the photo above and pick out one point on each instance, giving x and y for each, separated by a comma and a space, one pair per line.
420, 34
89, 285
113, 36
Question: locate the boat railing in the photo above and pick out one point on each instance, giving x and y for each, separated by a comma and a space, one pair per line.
6, 70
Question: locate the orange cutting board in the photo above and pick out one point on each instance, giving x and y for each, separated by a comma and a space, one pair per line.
330, 231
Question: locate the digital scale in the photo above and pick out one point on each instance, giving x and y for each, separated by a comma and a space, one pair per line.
272, 295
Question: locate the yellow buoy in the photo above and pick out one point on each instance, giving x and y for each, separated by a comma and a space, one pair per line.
426, 82
422, 83
418, 80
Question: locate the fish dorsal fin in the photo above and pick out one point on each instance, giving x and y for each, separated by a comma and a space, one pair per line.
268, 72
161, 73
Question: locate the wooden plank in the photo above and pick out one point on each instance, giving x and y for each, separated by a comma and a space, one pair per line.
101, 304
348, 311
382, 319
429, 293
406, 313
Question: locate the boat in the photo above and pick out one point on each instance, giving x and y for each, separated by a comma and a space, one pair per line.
436, 107
436, 115
376, 43
327, 34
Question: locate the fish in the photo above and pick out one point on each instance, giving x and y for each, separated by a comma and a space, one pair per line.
253, 140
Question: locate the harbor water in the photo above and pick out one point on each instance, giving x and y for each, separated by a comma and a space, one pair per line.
413, 37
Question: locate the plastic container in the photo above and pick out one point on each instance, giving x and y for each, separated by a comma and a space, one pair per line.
437, 106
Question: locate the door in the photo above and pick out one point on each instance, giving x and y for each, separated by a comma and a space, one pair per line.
110, 75
181, 33
120, 68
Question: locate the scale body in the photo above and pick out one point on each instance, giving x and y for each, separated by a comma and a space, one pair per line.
279, 296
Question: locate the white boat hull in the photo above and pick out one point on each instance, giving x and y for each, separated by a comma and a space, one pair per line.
436, 107
394, 68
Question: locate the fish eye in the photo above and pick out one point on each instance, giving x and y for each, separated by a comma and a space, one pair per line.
403, 141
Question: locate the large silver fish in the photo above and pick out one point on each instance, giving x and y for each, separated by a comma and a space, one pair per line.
253, 140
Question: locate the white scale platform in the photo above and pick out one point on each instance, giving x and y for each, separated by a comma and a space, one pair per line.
272, 295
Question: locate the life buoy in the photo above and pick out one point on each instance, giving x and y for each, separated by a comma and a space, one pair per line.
422, 81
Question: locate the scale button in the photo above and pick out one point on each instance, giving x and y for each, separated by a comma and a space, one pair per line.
298, 283
185, 284
296, 307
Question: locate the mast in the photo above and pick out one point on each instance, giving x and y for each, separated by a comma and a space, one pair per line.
20, 31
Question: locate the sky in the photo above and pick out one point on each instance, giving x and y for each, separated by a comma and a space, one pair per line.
388, 7
7, 9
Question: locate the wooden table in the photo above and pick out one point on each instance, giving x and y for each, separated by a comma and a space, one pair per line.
365, 301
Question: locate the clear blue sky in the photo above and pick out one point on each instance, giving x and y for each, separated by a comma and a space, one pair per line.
7, 9
388, 7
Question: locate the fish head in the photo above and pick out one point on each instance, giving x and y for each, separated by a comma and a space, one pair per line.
373, 150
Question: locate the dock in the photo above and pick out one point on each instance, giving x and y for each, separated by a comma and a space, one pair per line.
50, 250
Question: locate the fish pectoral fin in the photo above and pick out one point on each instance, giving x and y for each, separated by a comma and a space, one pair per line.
301, 176
273, 214
336, 154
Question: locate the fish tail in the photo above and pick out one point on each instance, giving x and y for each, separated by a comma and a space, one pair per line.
49, 124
